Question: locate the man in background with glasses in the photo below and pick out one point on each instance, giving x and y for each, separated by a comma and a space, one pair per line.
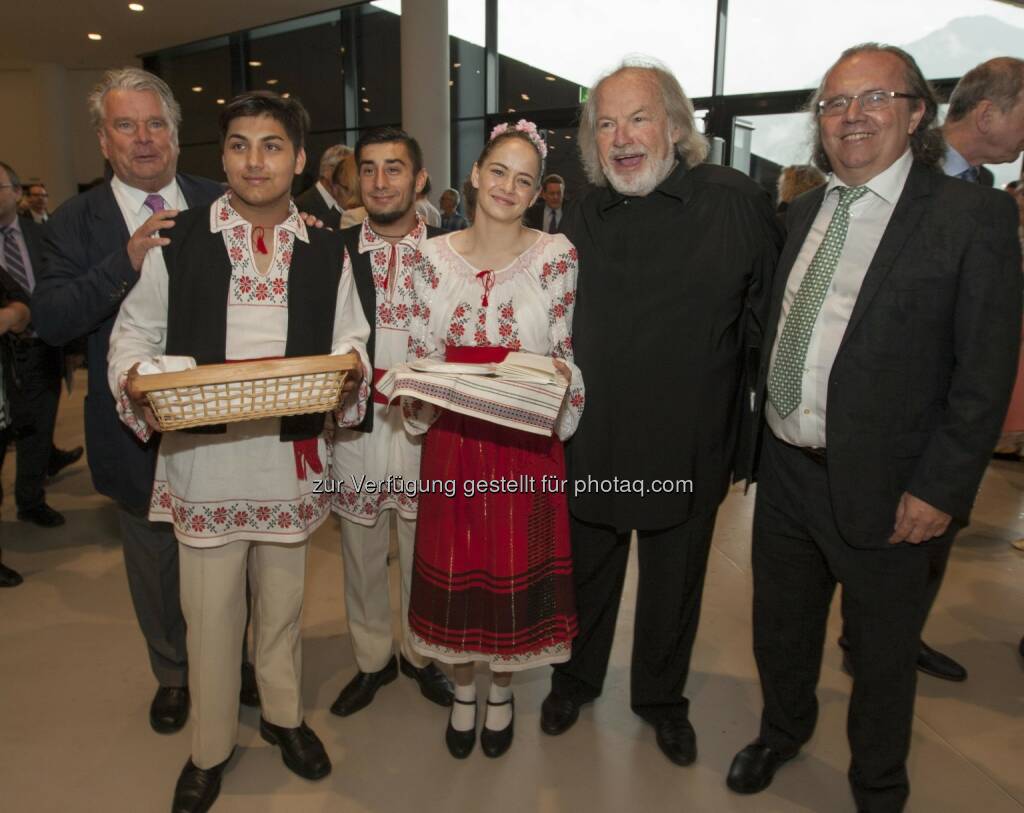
890, 353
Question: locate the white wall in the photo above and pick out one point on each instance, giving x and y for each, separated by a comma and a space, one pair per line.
45, 133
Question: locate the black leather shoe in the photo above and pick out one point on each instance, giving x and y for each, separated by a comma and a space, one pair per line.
496, 743
42, 515
558, 713
434, 684
169, 709
197, 788
359, 692
460, 743
754, 767
301, 749
677, 740
8, 577
61, 459
934, 663
249, 694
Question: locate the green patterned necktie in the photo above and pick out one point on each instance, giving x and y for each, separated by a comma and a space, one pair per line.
785, 382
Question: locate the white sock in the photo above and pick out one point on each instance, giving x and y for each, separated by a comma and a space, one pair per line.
499, 716
463, 715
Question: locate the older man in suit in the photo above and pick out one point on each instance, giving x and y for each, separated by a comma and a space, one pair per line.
319, 199
887, 368
95, 246
547, 213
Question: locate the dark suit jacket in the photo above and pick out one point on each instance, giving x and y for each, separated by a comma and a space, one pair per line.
312, 202
85, 277
534, 217
922, 378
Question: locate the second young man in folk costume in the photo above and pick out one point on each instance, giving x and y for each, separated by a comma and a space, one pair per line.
242, 493
381, 252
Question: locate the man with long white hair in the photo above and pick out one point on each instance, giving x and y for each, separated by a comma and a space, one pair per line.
676, 258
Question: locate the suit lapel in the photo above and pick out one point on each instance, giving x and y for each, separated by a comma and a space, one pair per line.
105, 213
909, 210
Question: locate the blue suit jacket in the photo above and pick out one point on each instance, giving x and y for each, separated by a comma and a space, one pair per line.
86, 274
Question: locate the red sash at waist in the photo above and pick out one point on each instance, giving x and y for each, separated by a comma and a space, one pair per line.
378, 374
475, 355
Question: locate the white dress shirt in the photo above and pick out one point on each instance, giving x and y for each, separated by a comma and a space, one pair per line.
332, 204
546, 222
132, 201
869, 217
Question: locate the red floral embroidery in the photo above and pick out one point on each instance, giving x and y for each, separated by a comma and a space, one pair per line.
241, 519
284, 519
278, 286
262, 513
198, 523
262, 292
245, 284
236, 254
165, 500
220, 515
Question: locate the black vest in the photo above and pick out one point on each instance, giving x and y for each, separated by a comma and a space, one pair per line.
363, 277
198, 283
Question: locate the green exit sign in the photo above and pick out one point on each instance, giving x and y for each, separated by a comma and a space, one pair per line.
584, 94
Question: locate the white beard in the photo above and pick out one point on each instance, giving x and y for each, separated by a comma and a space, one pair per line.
647, 180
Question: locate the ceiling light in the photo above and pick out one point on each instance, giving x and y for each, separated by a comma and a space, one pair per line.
197, 89
511, 110
220, 101
550, 78
568, 138
363, 89
255, 63
136, 7
456, 64
451, 83
95, 37
364, 100
271, 81
366, 110
286, 95
524, 97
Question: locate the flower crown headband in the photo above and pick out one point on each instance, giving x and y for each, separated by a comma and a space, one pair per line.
527, 128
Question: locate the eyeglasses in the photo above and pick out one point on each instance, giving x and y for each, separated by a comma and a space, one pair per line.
870, 100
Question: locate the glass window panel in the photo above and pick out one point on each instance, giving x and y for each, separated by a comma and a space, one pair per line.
466, 29
467, 142
575, 42
302, 57
946, 37
206, 66
378, 63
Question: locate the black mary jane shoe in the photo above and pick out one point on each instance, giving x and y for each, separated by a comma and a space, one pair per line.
495, 743
460, 743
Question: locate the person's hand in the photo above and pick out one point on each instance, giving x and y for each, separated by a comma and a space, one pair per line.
917, 521
564, 370
139, 398
14, 317
355, 375
312, 220
146, 236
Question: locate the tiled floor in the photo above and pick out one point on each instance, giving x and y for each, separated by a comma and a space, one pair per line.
75, 688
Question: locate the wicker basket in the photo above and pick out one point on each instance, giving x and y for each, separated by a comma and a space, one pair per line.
246, 390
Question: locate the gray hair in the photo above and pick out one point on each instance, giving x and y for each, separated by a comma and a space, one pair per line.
926, 142
999, 81
332, 157
458, 197
691, 146
138, 80
12, 176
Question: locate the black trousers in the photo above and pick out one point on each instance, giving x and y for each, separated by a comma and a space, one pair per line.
798, 557
670, 584
33, 404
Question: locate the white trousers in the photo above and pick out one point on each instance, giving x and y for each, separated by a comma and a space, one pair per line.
364, 550
213, 602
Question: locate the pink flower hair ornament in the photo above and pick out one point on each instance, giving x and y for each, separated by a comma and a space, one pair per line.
528, 128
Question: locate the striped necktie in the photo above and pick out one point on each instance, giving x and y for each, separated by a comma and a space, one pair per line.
13, 261
785, 382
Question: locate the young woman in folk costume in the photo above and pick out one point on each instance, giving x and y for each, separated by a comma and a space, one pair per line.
492, 577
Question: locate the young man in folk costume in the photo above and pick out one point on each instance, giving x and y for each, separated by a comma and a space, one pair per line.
243, 493
382, 251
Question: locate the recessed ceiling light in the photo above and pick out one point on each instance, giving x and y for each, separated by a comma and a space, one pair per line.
568, 138
363, 89
511, 110
364, 100
271, 81
366, 110
95, 37
220, 101
286, 95
550, 78
456, 64
451, 83
524, 97
136, 7
197, 89
254, 63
